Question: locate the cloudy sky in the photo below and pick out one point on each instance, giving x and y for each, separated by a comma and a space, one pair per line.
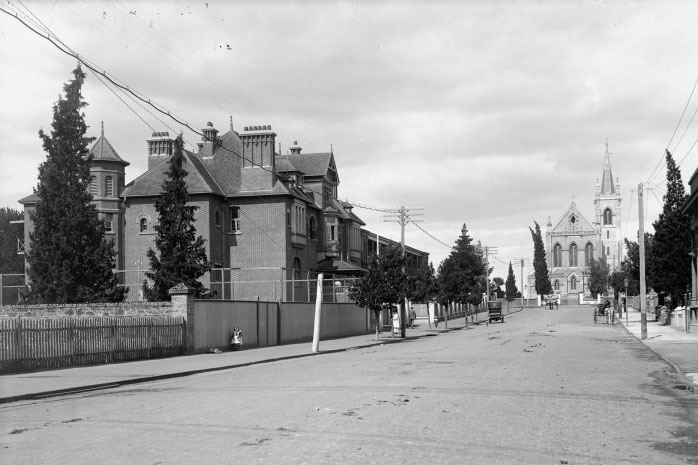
493, 114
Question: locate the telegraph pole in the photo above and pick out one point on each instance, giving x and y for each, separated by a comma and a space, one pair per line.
641, 240
402, 217
488, 251
522, 261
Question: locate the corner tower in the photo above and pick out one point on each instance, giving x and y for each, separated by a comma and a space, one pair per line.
607, 208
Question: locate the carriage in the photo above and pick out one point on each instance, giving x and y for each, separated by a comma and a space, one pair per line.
604, 309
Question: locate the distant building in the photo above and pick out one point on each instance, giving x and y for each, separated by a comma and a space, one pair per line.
572, 241
268, 219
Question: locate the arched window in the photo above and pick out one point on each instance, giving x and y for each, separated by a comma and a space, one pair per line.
607, 216
556, 285
608, 251
557, 256
573, 255
108, 187
573, 283
143, 225
218, 218
93, 186
588, 254
608, 234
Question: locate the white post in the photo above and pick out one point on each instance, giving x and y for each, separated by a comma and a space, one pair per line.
318, 312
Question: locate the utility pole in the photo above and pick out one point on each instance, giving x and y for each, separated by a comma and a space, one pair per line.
522, 262
402, 217
488, 251
643, 290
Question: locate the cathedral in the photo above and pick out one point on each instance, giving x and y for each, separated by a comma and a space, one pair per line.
572, 241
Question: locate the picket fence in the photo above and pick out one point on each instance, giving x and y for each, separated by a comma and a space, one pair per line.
32, 344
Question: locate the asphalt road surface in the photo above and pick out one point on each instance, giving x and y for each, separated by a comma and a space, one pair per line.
544, 387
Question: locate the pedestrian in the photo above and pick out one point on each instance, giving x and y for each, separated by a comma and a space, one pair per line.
413, 316
557, 303
396, 321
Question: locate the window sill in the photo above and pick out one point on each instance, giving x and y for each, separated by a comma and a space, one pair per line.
234, 233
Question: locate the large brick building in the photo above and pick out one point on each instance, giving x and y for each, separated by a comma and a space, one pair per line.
268, 219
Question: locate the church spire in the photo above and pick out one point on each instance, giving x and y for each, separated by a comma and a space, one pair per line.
607, 186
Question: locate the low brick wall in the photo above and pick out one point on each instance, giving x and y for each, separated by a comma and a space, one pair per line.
127, 309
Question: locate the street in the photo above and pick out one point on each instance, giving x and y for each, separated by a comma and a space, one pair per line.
544, 387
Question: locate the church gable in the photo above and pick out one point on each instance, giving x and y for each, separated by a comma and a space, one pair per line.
572, 220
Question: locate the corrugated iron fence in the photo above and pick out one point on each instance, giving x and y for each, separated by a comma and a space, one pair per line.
31, 344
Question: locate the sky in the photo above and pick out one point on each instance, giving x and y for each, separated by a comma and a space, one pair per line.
492, 114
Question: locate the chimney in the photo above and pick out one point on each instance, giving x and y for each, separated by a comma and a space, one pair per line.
295, 148
160, 146
258, 145
210, 133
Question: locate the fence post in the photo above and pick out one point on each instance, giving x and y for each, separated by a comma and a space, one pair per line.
183, 303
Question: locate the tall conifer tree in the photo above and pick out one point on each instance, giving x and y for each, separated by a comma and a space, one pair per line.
70, 261
668, 264
182, 255
540, 267
462, 275
510, 286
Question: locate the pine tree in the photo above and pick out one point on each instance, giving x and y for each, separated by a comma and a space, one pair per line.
182, 255
462, 275
668, 264
70, 261
510, 286
540, 268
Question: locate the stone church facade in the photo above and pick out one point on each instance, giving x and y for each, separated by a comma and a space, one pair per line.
573, 240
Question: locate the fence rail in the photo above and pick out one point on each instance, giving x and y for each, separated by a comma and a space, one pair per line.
31, 344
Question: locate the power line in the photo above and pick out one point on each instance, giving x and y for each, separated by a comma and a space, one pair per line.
431, 236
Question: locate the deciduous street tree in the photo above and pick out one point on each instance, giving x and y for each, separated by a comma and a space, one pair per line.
540, 267
182, 255
598, 276
383, 284
668, 263
70, 261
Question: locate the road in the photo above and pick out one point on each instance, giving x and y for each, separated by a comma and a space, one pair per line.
544, 387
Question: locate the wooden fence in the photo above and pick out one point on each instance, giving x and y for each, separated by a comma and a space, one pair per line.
31, 344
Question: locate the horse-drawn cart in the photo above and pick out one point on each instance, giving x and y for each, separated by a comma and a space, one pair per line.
604, 309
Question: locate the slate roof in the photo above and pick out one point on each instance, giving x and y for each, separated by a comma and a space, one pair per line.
102, 150
199, 180
310, 164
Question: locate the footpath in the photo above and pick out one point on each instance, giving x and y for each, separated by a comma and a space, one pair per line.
49, 383
677, 348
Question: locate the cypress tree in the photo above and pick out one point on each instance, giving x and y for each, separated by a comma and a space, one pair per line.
182, 255
70, 261
510, 286
543, 286
669, 265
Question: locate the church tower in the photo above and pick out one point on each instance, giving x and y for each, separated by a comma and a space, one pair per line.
608, 215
